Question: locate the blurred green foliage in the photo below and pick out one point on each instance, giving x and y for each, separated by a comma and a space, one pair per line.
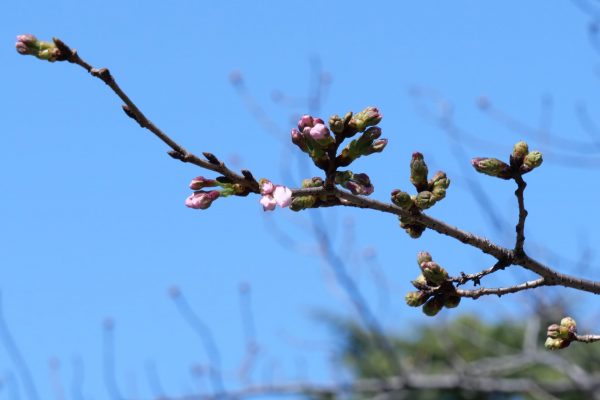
465, 343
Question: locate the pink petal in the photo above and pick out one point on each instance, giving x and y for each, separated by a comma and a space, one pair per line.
268, 202
282, 195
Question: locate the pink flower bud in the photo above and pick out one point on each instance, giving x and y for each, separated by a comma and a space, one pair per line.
26, 44
319, 131
201, 182
201, 200
268, 202
282, 195
266, 186
305, 121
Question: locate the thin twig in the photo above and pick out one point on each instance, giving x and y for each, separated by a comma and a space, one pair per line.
131, 109
587, 338
521, 185
475, 294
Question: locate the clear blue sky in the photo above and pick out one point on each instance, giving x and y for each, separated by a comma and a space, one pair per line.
92, 219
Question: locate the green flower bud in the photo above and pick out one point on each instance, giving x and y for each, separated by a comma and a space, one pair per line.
434, 274
368, 117
439, 180
420, 283
492, 167
402, 199
336, 124
438, 193
433, 306
569, 323
556, 344
416, 299
312, 182
520, 151
414, 230
423, 257
531, 161
418, 172
302, 202
451, 301
425, 200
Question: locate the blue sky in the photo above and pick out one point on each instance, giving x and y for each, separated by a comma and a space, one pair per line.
93, 221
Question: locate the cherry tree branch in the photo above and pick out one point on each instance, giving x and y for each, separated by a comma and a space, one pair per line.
475, 294
131, 109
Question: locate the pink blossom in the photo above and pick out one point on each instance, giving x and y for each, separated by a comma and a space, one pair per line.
282, 195
268, 202
201, 200
266, 187
319, 131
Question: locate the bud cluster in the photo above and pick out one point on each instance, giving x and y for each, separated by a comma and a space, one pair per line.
429, 192
321, 143
434, 290
202, 199
561, 336
522, 161
30, 45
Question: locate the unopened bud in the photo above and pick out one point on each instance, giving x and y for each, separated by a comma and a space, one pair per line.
569, 323
302, 202
553, 331
376, 147
420, 282
414, 230
201, 182
201, 200
439, 180
336, 124
434, 274
319, 132
30, 45
418, 171
402, 199
531, 161
556, 344
520, 151
433, 306
299, 140
451, 300
423, 257
492, 167
425, 200
368, 117
416, 299
312, 182
306, 121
